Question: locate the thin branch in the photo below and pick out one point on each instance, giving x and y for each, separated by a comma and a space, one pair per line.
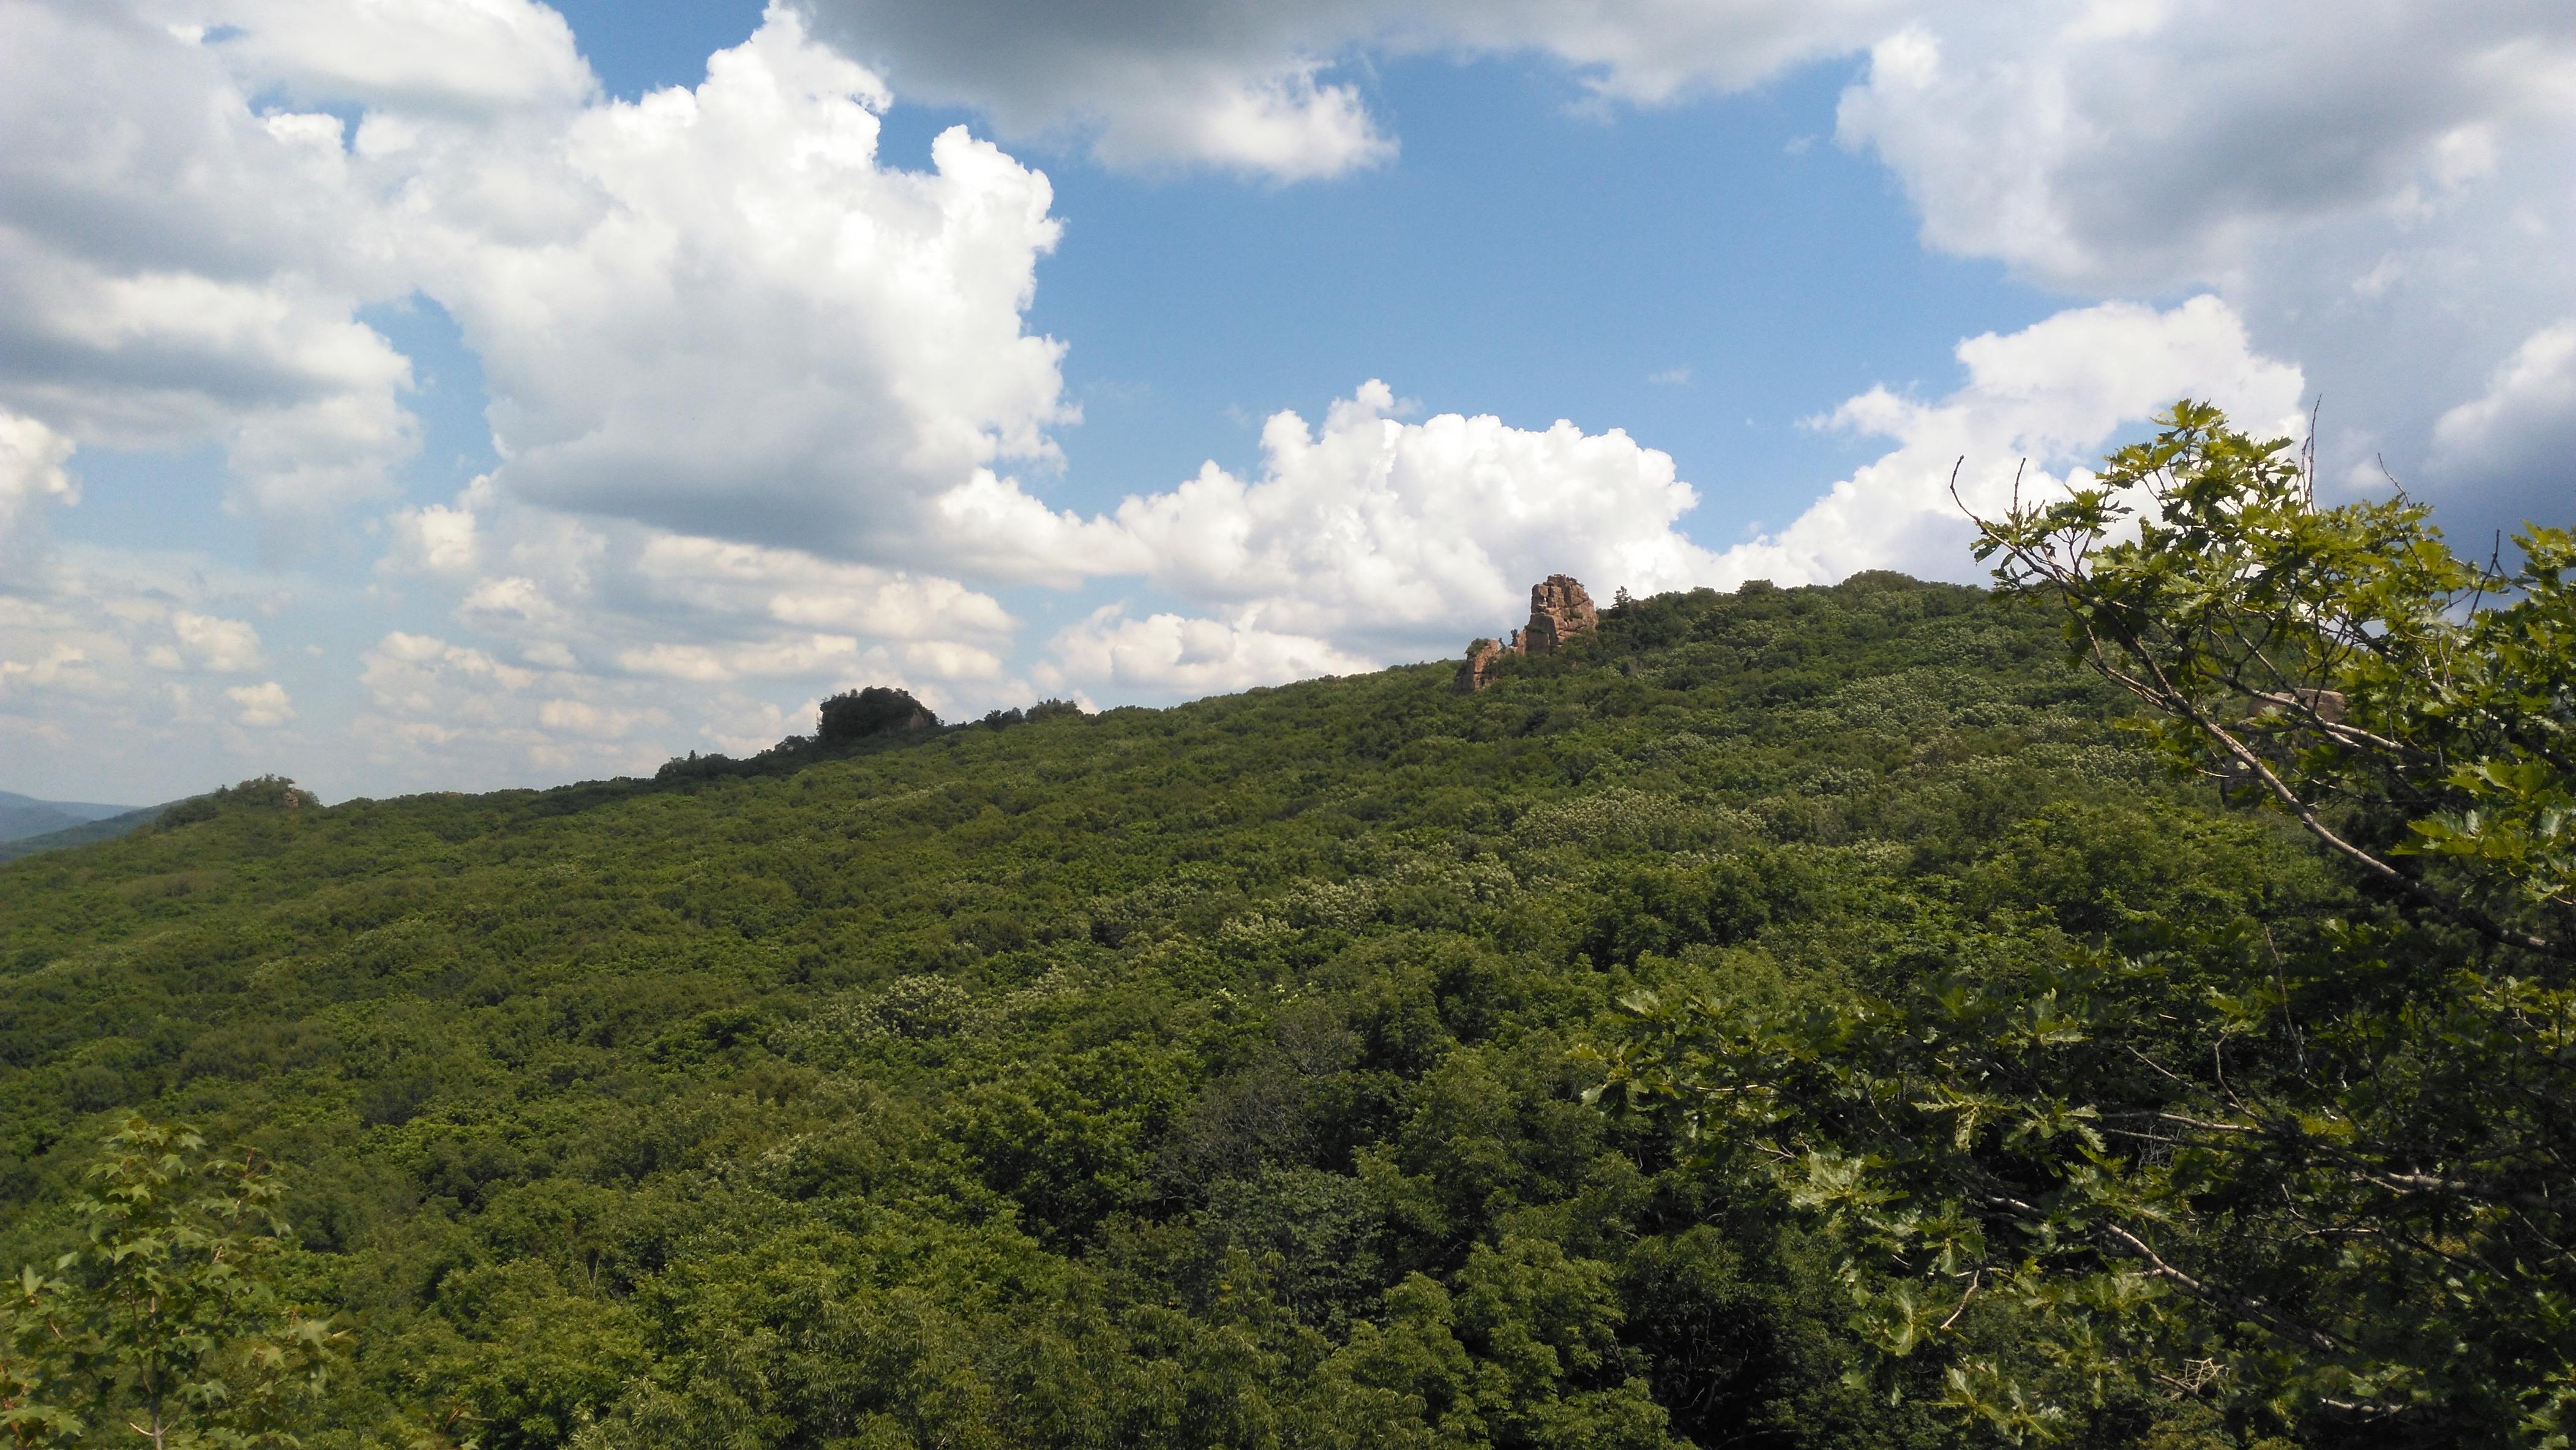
2206, 1126
2254, 1309
2158, 1066
2163, 694
1973, 1281
2308, 452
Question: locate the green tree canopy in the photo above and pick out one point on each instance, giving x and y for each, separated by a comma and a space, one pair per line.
876, 710
168, 1324
2292, 1150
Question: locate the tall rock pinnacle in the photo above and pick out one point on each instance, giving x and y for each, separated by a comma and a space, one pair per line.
1559, 611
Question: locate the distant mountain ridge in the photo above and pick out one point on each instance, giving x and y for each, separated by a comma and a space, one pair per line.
22, 815
29, 826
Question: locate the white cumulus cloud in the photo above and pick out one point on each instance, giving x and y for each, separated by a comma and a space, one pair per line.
1380, 535
1173, 656
454, 58
2380, 191
263, 706
710, 309
225, 646
1368, 540
2519, 436
32, 477
733, 357
2054, 395
722, 315
179, 269
2111, 145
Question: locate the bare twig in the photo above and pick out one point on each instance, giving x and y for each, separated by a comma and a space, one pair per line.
1973, 1280
2163, 694
2254, 1309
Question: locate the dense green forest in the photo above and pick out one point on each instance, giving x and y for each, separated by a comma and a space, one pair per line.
1233, 1074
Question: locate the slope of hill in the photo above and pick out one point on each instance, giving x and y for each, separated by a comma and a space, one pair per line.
1180, 1077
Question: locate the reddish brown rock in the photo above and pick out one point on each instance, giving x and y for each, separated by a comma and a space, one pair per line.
1478, 671
1559, 612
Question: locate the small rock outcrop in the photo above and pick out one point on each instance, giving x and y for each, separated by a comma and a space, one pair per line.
1478, 671
1560, 611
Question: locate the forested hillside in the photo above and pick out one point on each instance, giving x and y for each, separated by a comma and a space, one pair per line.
1206, 1076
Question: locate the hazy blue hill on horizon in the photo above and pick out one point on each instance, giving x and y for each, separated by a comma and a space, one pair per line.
22, 816
106, 828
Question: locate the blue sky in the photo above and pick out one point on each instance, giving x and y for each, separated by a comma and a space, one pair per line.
1728, 240
506, 417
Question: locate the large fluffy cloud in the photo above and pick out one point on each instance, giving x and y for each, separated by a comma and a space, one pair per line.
2039, 405
186, 236
715, 311
711, 310
1372, 538
2117, 145
1375, 527
178, 268
1379, 528
732, 359
2382, 190
466, 60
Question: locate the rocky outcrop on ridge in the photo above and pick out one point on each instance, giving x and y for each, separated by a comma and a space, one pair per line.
1478, 671
1560, 611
